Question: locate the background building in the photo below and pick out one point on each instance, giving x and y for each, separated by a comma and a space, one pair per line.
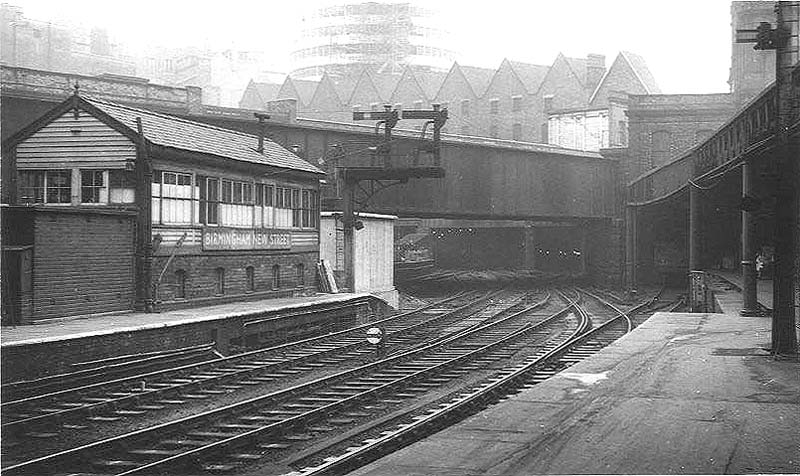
67, 48
387, 37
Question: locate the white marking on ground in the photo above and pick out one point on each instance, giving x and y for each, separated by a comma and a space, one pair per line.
586, 379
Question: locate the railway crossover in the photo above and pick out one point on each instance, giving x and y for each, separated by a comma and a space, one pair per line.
444, 355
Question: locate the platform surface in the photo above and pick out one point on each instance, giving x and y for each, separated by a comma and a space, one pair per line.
82, 326
682, 394
763, 288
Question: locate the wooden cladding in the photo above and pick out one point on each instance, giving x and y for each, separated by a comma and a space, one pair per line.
67, 141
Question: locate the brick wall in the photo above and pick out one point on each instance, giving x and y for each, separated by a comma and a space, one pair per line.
606, 258
37, 360
82, 263
662, 127
201, 276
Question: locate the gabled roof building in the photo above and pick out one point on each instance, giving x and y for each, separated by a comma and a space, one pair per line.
126, 208
510, 102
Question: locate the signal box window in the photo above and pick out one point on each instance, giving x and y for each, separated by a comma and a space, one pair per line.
122, 186
51, 186
93, 188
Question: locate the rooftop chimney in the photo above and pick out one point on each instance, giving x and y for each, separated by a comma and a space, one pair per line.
595, 69
262, 131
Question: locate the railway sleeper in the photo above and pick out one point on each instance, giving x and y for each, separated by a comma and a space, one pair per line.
116, 463
66, 405
273, 446
319, 399
314, 365
129, 412
249, 382
406, 394
207, 376
245, 456
194, 396
103, 418
288, 371
236, 426
96, 399
390, 401
265, 362
267, 419
149, 407
41, 434
211, 434
120, 394
297, 437
339, 395
149, 452
184, 443
219, 467
282, 413
307, 406
212, 391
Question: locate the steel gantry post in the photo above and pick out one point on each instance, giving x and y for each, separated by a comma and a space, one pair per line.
749, 278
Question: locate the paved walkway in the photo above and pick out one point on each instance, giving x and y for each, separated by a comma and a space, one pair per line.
81, 326
682, 394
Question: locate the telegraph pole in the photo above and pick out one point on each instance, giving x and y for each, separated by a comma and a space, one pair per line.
784, 40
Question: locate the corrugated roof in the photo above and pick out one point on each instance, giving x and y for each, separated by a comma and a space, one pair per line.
642, 71
531, 75
170, 131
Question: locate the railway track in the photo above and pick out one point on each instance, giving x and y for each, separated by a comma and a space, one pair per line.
593, 333
95, 407
389, 380
87, 373
332, 422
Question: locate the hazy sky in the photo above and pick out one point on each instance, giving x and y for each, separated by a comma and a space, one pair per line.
685, 43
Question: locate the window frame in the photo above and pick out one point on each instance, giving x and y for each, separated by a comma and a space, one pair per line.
494, 106
94, 188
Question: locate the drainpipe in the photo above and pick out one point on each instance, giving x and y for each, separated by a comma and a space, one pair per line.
144, 225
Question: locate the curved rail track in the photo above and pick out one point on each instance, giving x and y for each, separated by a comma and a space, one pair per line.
240, 425
587, 338
343, 420
38, 411
132, 397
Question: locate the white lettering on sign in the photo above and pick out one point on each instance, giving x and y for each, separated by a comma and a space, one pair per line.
245, 239
374, 335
